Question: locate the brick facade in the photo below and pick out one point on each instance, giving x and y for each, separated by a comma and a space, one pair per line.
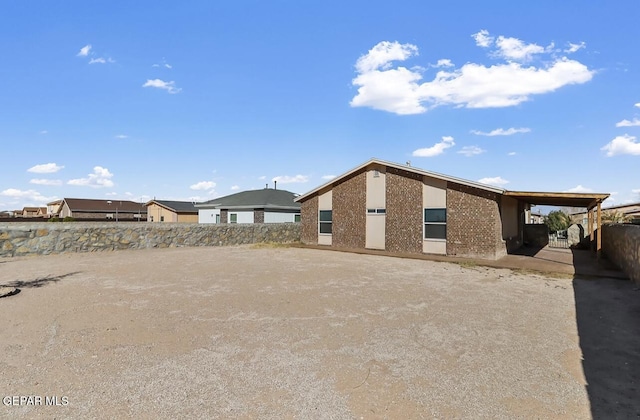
224, 216
350, 212
258, 216
403, 225
474, 227
309, 219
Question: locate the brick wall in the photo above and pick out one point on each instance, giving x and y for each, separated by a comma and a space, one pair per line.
350, 212
474, 228
224, 216
258, 216
309, 219
404, 219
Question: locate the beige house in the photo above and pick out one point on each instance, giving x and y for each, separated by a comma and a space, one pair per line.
629, 213
97, 210
171, 211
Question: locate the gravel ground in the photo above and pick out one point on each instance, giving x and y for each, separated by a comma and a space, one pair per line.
246, 332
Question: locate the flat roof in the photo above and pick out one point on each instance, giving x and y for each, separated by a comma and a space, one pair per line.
562, 199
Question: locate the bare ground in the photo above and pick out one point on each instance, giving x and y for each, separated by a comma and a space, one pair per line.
244, 332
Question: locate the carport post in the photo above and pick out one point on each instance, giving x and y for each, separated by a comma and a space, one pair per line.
599, 240
590, 222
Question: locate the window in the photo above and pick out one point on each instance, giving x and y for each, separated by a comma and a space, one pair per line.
217, 218
296, 218
162, 218
376, 211
325, 221
435, 224
233, 218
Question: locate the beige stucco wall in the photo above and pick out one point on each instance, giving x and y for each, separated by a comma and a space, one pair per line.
156, 211
325, 202
434, 195
509, 213
187, 218
376, 199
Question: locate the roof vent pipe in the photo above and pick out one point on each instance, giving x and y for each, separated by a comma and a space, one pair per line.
275, 184
266, 186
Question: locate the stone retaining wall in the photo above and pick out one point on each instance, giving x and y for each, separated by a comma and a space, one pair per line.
51, 238
621, 244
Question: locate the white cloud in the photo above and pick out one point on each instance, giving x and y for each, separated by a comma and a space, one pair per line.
262, 178
483, 39
45, 168
235, 188
27, 195
436, 149
52, 182
512, 153
161, 84
101, 60
285, 179
495, 181
203, 185
328, 177
44, 132
121, 136
398, 89
579, 189
513, 49
100, 178
637, 105
575, 47
84, 51
111, 194
501, 132
622, 145
469, 151
627, 123
383, 54
444, 62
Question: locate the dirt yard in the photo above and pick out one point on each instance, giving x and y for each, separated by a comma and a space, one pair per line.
245, 332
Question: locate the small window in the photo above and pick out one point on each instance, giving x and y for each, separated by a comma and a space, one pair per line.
325, 221
296, 218
151, 218
162, 218
376, 211
217, 218
233, 218
435, 224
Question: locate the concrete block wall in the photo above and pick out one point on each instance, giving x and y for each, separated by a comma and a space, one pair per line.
52, 238
621, 245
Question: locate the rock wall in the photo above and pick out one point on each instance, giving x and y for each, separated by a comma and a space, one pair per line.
51, 238
621, 244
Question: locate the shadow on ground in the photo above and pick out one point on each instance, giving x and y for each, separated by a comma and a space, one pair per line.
37, 282
608, 321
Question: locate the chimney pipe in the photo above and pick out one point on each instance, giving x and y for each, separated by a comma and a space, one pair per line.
266, 186
275, 185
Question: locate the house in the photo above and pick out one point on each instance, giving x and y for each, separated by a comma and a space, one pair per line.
402, 209
268, 205
622, 213
534, 218
171, 211
53, 208
90, 209
33, 212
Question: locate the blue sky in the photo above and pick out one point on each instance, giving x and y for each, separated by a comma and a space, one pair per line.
193, 100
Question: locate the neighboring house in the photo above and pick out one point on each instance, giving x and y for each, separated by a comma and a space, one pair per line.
534, 218
33, 211
267, 205
402, 209
89, 209
626, 212
171, 211
53, 208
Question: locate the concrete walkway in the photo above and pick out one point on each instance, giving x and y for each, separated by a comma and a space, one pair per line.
557, 261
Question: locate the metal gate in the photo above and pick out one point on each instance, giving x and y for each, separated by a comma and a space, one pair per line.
558, 240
